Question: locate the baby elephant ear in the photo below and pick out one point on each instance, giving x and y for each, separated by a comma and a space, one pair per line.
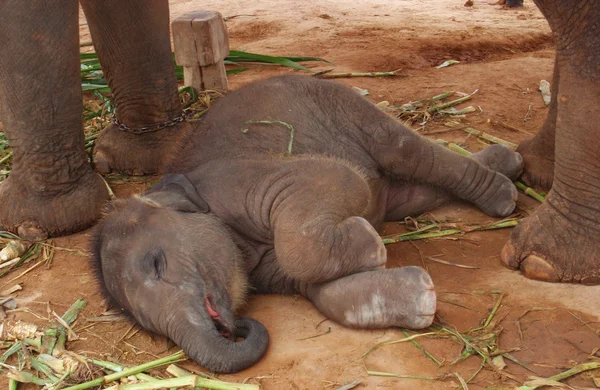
175, 191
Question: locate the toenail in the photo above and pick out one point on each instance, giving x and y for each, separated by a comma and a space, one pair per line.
534, 267
508, 256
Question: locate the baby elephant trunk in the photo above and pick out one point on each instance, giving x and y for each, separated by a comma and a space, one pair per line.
203, 343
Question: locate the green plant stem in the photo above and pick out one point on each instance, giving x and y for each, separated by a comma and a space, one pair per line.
489, 137
392, 375
405, 237
6, 158
26, 377
402, 340
358, 74
177, 371
145, 377
12, 384
566, 374
267, 122
530, 191
454, 147
104, 364
10, 351
419, 347
41, 367
71, 315
118, 368
188, 381
441, 96
128, 371
451, 103
526, 190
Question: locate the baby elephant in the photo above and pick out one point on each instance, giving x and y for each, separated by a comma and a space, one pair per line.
281, 189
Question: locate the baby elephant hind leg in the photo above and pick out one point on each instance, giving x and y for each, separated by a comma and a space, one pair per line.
405, 156
381, 298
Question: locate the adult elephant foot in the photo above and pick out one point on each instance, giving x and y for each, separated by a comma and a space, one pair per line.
538, 152
136, 59
36, 214
559, 243
549, 247
121, 151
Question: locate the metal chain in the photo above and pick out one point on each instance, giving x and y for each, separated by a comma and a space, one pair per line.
148, 129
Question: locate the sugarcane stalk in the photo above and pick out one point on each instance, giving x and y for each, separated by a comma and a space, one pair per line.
145, 377
104, 364
411, 236
118, 368
71, 315
451, 103
566, 374
530, 191
6, 158
128, 371
178, 371
489, 137
188, 381
441, 96
359, 74
462, 111
454, 147
447, 232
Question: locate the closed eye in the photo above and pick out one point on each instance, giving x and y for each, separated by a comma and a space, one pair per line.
155, 262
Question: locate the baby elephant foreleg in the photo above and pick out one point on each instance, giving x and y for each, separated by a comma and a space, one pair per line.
380, 298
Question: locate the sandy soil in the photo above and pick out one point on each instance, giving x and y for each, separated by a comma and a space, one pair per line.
504, 54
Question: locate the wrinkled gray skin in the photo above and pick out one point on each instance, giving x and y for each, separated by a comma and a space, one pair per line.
238, 214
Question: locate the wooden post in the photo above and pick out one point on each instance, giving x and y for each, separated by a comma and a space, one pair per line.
201, 44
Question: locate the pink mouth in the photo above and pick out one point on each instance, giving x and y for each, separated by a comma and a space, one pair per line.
217, 319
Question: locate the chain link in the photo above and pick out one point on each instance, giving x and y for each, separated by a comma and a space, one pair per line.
148, 129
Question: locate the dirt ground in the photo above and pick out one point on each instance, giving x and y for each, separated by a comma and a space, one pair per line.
504, 54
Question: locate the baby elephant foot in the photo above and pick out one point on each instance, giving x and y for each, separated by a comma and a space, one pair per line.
135, 154
380, 298
539, 163
548, 247
501, 159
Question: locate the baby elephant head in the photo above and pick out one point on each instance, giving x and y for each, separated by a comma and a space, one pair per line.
164, 259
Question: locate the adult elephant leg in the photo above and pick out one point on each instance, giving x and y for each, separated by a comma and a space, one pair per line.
538, 152
51, 189
133, 45
377, 299
560, 241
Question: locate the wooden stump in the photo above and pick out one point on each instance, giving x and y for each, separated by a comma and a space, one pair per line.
201, 44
